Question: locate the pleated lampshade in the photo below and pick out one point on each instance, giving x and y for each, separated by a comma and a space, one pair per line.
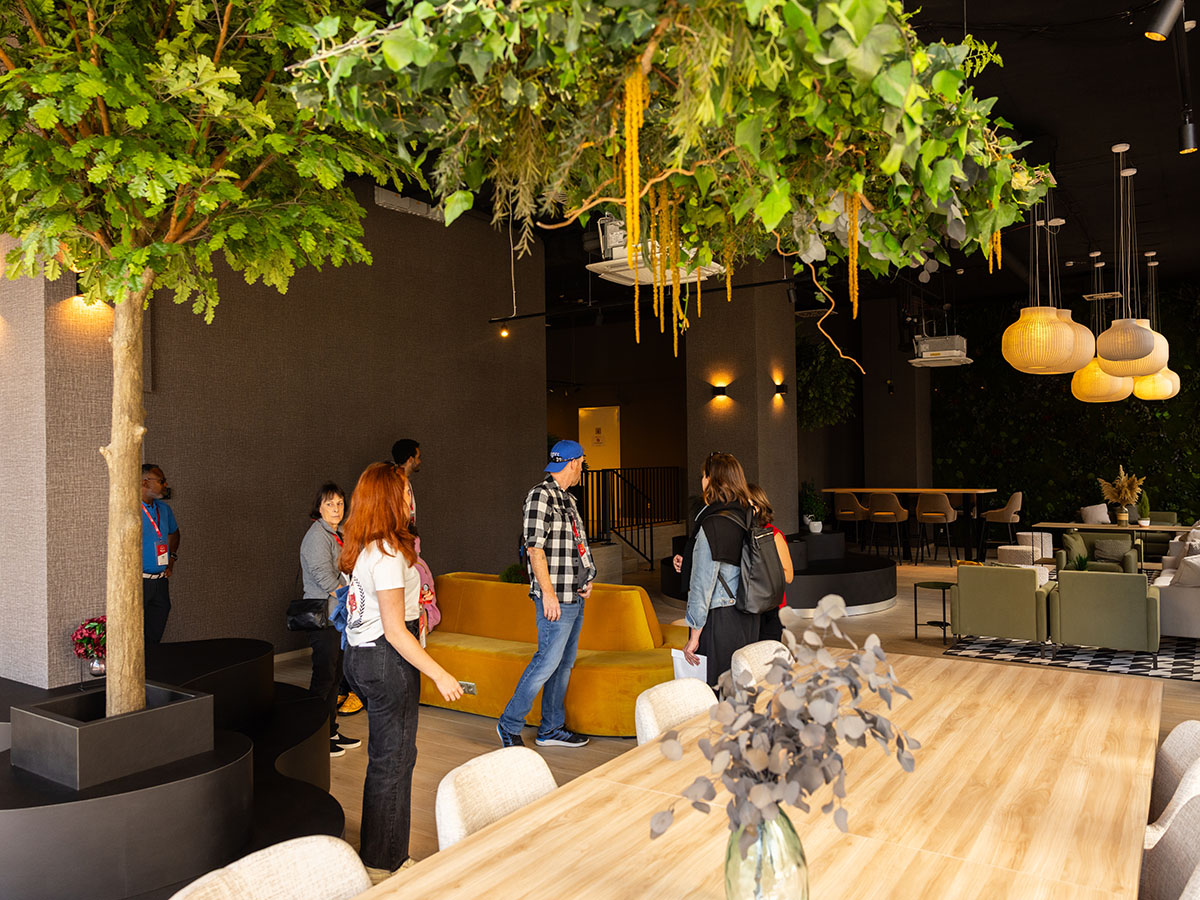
1125, 339
1084, 345
1091, 384
1153, 387
1039, 342
1174, 383
1150, 364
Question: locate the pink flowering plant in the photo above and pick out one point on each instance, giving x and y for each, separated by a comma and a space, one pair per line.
89, 638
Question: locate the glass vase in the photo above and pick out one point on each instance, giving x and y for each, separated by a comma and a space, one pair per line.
773, 868
96, 667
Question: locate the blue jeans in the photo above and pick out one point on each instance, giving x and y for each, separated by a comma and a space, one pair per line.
549, 671
390, 687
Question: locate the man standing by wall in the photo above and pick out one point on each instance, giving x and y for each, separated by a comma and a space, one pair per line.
407, 453
561, 574
160, 549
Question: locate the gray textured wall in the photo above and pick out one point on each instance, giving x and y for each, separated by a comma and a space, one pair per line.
249, 415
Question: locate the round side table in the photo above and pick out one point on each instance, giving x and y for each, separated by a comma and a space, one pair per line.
942, 623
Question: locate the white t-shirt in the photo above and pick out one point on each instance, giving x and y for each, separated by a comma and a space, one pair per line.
376, 571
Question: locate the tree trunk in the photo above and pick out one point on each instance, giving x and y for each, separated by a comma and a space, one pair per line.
125, 642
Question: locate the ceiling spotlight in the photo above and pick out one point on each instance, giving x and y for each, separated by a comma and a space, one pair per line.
1070, 262
1150, 253
1057, 221
1164, 19
958, 271
503, 331
1094, 253
1187, 131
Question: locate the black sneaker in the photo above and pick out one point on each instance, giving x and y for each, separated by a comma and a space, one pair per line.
346, 743
561, 738
334, 749
508, 740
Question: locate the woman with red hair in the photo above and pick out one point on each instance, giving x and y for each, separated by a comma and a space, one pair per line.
384, 656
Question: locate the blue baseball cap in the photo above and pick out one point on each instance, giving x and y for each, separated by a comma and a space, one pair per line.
562, 453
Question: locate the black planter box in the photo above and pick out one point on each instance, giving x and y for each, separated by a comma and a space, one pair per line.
68, 739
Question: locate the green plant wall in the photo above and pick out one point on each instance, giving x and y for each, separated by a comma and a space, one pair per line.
996, 427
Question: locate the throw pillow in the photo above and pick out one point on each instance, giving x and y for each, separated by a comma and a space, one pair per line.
1110, 551
1188, 574
1074, 547
1095, 515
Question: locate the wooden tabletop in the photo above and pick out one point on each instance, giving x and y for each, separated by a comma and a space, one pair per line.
908, 490
1132, 527
1031, 782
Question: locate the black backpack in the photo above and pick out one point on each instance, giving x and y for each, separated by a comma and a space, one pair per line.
762, 582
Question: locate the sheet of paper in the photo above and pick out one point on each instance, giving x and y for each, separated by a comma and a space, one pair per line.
684, 669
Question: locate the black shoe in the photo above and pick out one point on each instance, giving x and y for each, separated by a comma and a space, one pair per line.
508, 740
561, 738
346, 743
334, 749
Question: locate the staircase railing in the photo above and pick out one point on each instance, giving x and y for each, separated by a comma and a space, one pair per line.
628, 503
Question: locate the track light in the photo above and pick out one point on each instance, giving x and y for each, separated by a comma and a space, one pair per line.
1164, 19
1187, 131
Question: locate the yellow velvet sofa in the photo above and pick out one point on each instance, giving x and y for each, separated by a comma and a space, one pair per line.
488, 634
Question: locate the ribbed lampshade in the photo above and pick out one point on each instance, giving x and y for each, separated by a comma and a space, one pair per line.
1091, 384
1124, 340
1039, 342
1174, 382
1153, 387
1084, 349
1150, 364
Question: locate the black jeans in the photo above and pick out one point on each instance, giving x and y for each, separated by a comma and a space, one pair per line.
326, 646
156, 606
390, 686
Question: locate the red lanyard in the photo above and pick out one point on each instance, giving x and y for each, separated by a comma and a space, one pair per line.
579, 545
153, 521
337, 537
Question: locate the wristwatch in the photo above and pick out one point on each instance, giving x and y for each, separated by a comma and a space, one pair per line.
174, 556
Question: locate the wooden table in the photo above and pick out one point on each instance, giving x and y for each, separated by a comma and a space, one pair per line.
1031, 782
972, 517
1132, 528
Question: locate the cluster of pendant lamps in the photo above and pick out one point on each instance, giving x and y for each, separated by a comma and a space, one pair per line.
1129, 356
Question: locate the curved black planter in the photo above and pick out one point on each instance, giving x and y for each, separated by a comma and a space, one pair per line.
866, 583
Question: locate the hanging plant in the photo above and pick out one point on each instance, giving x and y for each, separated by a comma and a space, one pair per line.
825, 385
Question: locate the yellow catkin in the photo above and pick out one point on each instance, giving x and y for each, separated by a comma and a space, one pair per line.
652, 262
676, 308
852, 202
664, 235
999, 251
727, 261
636, 99
699, 313
987, 251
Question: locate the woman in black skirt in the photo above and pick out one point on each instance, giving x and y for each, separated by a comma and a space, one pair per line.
712, 571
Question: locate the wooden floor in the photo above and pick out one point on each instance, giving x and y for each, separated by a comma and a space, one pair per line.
446, 739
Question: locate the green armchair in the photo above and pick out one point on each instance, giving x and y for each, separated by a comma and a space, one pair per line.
1087, 541
1104, 609
995, 601
1156, 543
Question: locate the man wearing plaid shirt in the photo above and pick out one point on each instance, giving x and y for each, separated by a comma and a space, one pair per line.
561, 572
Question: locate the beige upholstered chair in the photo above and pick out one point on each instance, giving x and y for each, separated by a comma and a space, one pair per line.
848, 509
1175, 756
754, 660
669, 704
318, 867
886, 509
488, 788
1188, 787
1009, 515
1171, 870
935, 510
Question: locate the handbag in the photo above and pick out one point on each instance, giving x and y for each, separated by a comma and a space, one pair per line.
308, 614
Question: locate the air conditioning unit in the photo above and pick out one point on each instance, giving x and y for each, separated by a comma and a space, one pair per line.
615, 265
943, 350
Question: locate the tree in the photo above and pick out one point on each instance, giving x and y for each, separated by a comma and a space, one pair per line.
726, 127
141, 141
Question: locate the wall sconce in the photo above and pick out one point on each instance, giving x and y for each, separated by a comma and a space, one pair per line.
720, 391
781, 389
503, 331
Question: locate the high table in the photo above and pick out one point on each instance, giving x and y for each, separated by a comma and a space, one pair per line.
1132, 528
1031, 782
972, 518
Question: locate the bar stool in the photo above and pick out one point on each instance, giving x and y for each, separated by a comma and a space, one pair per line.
886, 508
935, 510
1009, 515
848, 509
942, 586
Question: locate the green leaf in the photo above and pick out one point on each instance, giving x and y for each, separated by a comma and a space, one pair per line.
327, 28
398, 49
457, 204
754, 10
891, 162
137, 116
775, 205
704, 176
749, 135
946, 82
477, 59
892, 84
44, 113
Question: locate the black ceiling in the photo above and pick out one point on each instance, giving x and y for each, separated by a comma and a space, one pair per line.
1078, 76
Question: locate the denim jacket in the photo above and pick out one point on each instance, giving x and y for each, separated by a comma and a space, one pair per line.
705, 591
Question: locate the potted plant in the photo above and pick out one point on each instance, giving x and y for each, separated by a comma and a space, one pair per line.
1123, 491
812, 507
779, 741
89, 641
1143, 508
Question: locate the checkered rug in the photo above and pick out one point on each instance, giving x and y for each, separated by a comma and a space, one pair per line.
1178, 657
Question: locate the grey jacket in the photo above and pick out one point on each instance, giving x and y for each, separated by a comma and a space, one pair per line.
319, 552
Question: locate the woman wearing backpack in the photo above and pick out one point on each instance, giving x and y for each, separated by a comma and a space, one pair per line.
384, 657
711, 567
764, 516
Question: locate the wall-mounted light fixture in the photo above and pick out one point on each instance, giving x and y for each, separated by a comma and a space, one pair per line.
781, 389
720, 391
503, 331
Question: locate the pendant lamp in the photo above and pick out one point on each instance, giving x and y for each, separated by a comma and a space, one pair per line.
1153, 387
1125, 339
1085, 344
1174, 382
1163, 384
1146, 366
1091, 384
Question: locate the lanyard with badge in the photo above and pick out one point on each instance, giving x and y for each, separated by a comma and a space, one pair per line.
162, 555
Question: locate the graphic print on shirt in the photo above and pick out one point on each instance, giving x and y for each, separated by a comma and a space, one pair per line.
355, 604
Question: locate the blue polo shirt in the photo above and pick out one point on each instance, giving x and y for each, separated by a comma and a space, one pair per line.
162, 516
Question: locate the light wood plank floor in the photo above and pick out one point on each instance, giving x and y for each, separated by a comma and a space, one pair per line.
446, 739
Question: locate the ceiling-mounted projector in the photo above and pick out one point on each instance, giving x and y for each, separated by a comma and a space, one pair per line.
615, 265
944, 350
